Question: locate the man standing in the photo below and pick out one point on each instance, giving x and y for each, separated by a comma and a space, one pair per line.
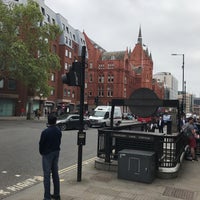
49, 148
191, 137
160, 124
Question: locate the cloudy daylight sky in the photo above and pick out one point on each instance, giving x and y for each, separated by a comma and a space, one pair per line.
168, 26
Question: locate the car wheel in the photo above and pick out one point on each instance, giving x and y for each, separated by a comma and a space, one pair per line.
63, 127
85, 126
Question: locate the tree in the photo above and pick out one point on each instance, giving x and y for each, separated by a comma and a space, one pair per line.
25, 46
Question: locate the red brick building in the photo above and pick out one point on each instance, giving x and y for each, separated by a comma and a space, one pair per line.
108, 74
118, 74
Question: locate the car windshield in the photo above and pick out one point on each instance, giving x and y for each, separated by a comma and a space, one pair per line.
99, 114
63, 116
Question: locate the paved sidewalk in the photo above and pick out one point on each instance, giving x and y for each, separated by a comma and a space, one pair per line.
104, 185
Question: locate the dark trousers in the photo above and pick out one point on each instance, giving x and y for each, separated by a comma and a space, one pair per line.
160, 128
50, 165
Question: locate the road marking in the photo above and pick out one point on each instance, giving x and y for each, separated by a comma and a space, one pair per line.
32, 181
75, 166
4, 172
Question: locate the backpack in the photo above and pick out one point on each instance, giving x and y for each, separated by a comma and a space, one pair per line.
186, 130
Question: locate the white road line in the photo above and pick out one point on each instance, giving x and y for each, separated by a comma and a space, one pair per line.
36, 179
75, 166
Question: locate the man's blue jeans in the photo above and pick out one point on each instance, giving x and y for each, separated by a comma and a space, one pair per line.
50, 165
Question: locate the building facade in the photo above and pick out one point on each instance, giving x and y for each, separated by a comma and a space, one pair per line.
118, 74
170, 84
108, 74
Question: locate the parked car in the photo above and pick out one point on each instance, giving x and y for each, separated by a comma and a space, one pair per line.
72, 121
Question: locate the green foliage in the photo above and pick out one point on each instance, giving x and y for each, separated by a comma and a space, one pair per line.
25, 45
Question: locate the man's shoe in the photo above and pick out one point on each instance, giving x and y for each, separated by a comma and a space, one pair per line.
55, 197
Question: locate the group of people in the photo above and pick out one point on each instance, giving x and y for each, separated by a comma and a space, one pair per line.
50, 141
157, 123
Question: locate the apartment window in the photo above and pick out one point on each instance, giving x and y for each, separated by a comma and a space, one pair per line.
48, 18
100, 91
74, 37
66, 40
70, 54
68, 93
12, 84
101, 79
63, 27
110, 66
90, 78
53, 20
109, 92
43, 11
67, 29
110, 78
101, 66
1, 82
67, 66
52, 77
73, 94
90, 93
66, 53
52, 92
91, 65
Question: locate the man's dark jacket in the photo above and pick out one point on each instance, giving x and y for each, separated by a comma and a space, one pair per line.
50, 140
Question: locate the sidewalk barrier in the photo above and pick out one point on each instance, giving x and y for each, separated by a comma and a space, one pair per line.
169, 149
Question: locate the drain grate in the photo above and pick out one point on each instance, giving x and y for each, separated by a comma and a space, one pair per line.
178, 193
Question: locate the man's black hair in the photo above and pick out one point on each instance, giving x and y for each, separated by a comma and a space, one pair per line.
52, 119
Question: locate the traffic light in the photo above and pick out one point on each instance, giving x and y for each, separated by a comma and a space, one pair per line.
73, 77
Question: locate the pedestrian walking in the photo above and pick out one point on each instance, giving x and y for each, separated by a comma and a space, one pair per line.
49, 148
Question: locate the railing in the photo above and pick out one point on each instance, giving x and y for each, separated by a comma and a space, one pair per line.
168, 148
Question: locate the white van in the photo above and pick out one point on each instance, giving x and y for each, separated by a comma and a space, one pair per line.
102, 116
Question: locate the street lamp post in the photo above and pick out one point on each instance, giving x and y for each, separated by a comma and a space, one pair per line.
185, 97
183, 89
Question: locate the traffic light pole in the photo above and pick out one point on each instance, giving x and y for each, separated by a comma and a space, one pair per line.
81, 134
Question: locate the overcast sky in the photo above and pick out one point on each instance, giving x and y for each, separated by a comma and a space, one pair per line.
168, 26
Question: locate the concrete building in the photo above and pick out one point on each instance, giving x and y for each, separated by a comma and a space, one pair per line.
170, 84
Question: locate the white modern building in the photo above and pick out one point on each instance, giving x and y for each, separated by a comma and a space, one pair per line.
170, 84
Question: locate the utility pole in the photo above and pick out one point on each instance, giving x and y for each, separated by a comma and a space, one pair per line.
81, 135
76, 77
